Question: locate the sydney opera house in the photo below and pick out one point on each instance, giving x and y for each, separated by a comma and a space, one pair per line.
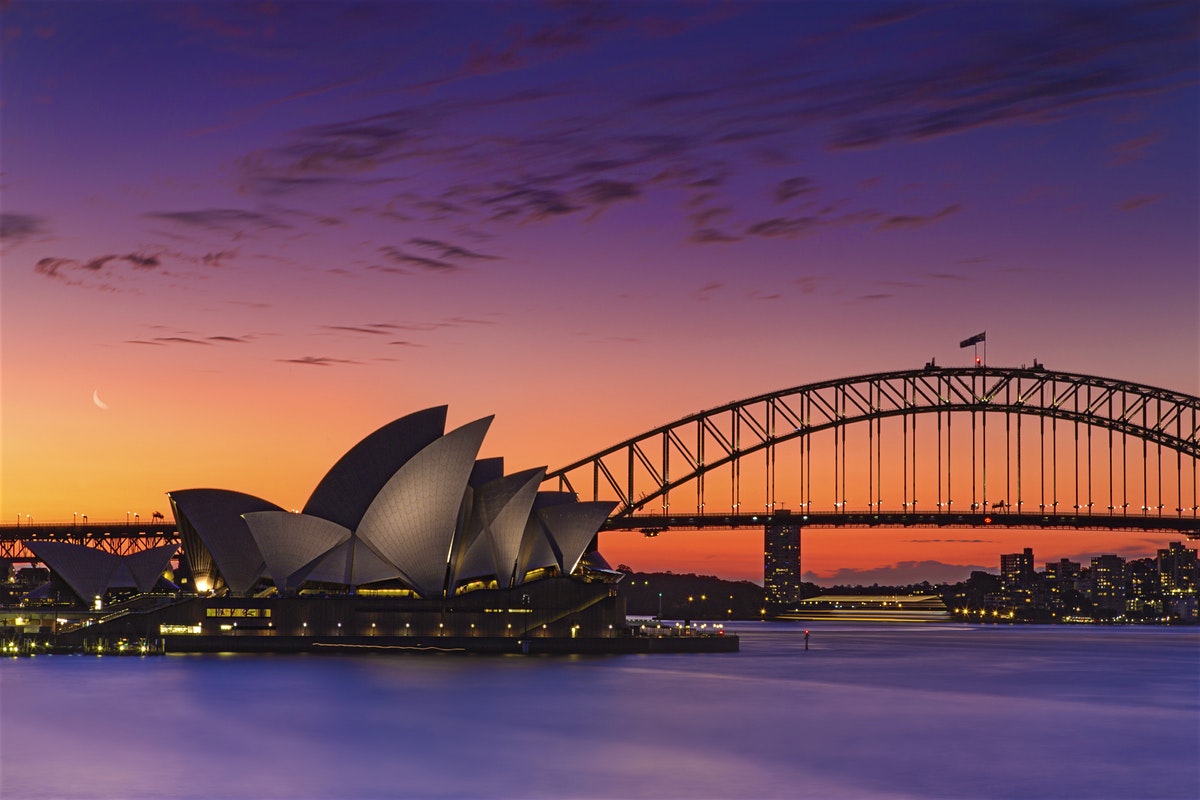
409, 541
409, 509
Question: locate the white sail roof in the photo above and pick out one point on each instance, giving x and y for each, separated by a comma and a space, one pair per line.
146, 567
353, 563
412, 521
492, 536
215, 516
291, 542
85, 569
91, 572
351, 485
572, 527
538, 550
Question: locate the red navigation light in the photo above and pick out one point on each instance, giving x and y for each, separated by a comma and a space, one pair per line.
987, 520
977, 361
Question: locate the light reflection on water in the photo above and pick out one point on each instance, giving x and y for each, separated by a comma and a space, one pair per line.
870, 711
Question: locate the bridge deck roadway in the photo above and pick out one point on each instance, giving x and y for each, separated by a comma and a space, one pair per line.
125, 539
1189, 525
67, 531
167, 532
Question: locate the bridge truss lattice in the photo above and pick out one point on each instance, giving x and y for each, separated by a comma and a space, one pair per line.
1025, 445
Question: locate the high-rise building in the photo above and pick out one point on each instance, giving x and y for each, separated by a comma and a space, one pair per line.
1108, 582
1143, 587
1016, 569
1062, 581
1177, 568
781, 565
1062, 570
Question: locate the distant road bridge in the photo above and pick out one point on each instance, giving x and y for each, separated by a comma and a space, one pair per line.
938, 446
120, 538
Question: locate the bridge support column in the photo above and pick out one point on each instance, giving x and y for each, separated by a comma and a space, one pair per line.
781, 566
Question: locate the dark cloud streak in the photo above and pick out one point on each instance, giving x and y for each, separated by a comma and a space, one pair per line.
221, 219
16, 228
316, 361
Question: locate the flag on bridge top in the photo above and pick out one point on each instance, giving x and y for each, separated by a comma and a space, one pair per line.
976, 339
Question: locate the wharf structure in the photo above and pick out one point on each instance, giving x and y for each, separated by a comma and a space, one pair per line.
410, 541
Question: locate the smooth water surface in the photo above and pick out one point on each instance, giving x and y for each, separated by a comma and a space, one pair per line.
885, 711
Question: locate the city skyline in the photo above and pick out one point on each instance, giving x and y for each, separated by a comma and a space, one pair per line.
238, 237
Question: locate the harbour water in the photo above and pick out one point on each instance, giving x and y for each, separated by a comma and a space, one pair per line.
870, 711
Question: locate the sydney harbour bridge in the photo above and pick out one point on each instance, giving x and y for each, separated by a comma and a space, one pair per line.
1023, 447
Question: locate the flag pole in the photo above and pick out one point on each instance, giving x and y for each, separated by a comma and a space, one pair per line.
973, 342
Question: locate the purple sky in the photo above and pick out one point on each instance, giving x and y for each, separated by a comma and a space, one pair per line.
225, 221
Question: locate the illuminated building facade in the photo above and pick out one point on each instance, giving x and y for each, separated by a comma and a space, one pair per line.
1177, 568
781, 565
1108, 582
1016, 569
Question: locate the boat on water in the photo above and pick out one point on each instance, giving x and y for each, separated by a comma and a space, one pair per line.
870, 608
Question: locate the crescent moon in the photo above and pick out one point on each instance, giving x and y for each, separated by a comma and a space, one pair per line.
100, 404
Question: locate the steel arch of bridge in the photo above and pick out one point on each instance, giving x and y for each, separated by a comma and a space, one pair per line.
642, 471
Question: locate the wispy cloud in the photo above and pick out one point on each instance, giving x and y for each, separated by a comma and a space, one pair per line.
574, 144
100, 272
1139, 201
144, 260
794, 187
527, 201
221, 219
423, 262
1061, 60
712, 236
448, 257
1132, 150
376, 330
809, 284
450, 251
916, 220
605, 192
186, 338
1054, 63
787, 227
17, 228
317, 361
382, 329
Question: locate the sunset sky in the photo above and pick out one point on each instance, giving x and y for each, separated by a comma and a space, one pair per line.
239, 237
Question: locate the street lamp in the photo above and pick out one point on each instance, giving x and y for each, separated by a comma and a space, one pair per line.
126, 519
136, 518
